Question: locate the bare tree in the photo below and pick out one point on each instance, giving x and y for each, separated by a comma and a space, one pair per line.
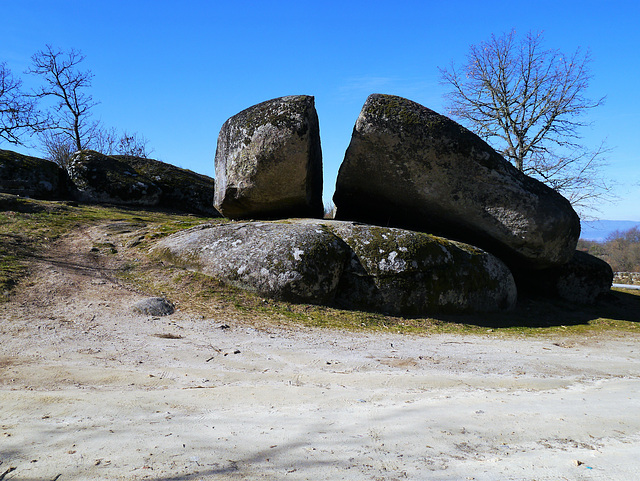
67, 85
133, 144
18, 111
70, 127
105, 141
57, 147
529, 100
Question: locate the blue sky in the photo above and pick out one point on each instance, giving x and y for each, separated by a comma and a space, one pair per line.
175, 71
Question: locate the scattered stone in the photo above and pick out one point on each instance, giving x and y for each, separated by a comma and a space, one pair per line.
407, 166
269, 162
154, 306
32, 177
631, 278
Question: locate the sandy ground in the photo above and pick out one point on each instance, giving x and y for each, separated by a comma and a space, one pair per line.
90, 390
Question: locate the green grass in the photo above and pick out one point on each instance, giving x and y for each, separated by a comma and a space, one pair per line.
28, 227
198, 294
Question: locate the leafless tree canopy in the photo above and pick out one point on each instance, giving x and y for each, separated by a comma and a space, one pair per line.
109, 142
69, 127
59, 148
18, 112
66, 84
528, 101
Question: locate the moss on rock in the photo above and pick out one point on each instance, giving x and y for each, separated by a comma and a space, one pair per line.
128, 180
410, 167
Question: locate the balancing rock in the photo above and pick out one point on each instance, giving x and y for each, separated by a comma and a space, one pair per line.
408, 166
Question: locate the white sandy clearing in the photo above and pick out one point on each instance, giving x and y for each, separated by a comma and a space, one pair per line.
89, 390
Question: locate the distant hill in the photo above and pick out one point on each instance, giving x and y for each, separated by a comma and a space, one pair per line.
598, 230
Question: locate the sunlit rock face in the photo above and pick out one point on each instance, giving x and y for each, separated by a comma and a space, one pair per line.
269, 161
408, 166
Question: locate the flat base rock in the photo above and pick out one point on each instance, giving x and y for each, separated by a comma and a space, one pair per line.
290, 261
346, 264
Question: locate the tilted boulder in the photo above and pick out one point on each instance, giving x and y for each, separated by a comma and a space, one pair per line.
269, 162
346, 264
582, 280
410, 167
99, 178
32, 177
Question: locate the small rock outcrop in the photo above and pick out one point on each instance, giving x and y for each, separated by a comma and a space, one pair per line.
347, 264
181, 189
409, 167
269, 162
32, 177
582, 280
127, 180
100, 178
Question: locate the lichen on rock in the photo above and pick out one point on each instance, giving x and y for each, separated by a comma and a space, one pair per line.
410, 167
348, 265
269, 161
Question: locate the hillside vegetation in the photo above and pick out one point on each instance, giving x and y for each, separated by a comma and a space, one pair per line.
621, 249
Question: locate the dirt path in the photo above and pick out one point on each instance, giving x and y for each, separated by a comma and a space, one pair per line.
90, 390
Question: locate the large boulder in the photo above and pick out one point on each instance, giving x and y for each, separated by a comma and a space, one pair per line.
32, 177
181, 189
347, 264
269, 162
410, 167
103, 179
582, 280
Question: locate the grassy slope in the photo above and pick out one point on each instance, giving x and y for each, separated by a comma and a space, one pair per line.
27, 227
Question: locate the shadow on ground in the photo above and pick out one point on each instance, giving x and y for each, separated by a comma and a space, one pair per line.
532, 311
